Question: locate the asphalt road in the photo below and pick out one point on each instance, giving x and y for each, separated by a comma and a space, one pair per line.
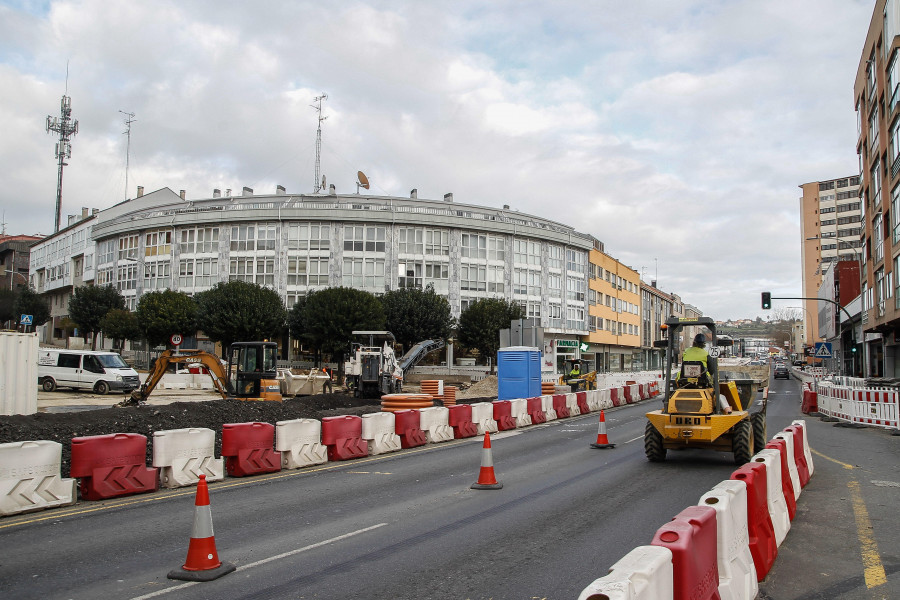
407, 525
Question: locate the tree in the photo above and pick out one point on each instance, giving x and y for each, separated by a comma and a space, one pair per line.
480, 324
240, 311
29, 302
120, 325
89, 304
413, 315
163, 313
330, 316
8, 305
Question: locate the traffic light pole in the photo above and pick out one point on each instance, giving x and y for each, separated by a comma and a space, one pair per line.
837, 304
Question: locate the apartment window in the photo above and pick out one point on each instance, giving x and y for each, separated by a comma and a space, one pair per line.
496, 248
575, 260
848, 207
411, 275
878, 238
198, 273
437, 242
126, 277
106, 252
555, 257
893, 79
554, 282
158, 275
199, 241
104, 276
894, 147
265, 272
359, 238
308, 236
574, 318
473, 278
526, 282
575, 289
158, 243
243, 238
554, 315
411, 240
240, 268
303, 271
873, 127
876, 184
526, 252
128, 247
495, 278
364, 273
265, 237
826, 185
437, 274
895, 214
826, 209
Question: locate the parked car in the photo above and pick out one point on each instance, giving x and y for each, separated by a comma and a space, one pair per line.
781, 371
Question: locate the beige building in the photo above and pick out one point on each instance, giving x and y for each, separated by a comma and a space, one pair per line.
830, 230
614, 341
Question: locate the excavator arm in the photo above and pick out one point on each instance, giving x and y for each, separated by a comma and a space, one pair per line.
210, 361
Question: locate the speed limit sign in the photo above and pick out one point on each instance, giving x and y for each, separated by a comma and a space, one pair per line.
175, 339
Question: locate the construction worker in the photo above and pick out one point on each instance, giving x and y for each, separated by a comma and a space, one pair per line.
697, 352
576, 370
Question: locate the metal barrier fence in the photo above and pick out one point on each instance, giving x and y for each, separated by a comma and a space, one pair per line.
849, 400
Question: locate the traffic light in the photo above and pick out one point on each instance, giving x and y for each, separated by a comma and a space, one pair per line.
767, 300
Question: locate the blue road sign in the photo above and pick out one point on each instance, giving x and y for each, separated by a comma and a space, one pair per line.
823, 350
26, 320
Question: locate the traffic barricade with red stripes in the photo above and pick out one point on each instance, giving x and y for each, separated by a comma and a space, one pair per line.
787, 486
460, 420
535, 408
300, 443
645, 573
378, 431
112, 465
343, 437
788, 438
572, 404
248, 449
435, 422
809, 403
547, 405
799, 456
691, 537
559, 406
518, 410
182, 455
763, 547
408, 427
778, 510
483, 417
806, 453
737, 577
581, 400
503, 415
876, 407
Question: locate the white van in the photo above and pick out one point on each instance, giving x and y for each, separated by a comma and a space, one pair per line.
86, 370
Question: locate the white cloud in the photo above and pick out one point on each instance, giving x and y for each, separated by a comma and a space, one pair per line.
677, 132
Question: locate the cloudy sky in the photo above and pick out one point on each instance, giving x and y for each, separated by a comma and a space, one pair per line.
675, 131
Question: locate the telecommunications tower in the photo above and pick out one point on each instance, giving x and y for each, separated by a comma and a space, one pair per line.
320, 181
66, 127
129, 119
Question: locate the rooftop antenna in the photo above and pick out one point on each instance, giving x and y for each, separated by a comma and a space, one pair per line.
361, 181
129, 119
3, 223
318, 177
66, 127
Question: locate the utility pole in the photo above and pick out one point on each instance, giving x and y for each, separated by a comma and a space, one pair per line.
320, 183
66, 127
129, 119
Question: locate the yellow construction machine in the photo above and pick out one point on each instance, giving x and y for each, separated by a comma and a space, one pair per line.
249, 374
700, 410
580, 381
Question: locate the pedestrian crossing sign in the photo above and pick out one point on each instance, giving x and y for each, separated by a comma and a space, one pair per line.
823, 350
26, 320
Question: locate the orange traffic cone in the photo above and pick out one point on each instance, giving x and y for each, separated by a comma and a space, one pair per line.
602, 440
486, 478
202, 562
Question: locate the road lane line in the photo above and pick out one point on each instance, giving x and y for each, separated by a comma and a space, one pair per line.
873, 569
834, 460
266, 560
640, 437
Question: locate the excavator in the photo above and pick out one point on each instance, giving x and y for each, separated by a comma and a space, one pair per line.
250, 373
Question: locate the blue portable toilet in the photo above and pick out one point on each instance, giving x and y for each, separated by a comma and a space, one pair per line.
518, 372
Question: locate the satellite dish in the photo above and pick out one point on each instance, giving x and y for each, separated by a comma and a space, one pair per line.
362, 180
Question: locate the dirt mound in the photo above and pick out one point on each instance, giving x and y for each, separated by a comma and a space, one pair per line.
486, 388
63, 426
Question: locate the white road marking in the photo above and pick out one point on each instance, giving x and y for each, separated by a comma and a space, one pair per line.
635, 439
266, 560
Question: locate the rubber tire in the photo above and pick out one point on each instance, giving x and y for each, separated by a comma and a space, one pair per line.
742, 442
759, 430
102, 388
48, 385
653, 444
